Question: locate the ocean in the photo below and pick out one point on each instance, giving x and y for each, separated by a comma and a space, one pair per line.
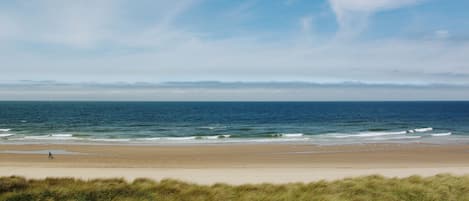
322, 123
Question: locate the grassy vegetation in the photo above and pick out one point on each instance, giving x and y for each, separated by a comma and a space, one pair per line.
440, 187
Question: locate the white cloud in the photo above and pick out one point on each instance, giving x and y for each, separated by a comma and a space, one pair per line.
442, 34
395, 61
171, 53
69, 23
352, 15
87, 24
8, 28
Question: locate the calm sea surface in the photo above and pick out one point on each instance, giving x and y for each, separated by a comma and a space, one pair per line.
234, 122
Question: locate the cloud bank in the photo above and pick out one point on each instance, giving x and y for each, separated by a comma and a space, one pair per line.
228, 91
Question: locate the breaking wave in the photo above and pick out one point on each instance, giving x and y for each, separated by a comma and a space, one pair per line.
441, 134
6, 135
288, 135
59, 136
420, 130
366, 134
345, 137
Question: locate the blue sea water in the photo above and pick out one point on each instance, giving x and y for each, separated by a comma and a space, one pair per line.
234, 122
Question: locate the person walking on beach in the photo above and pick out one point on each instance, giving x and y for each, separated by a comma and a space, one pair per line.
50, 156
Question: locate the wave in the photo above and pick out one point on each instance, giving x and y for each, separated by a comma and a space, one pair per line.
441, 134
188, 138
72, 137
369, 135
211, 137
180, 138
267, 140
366, 134
59, 136
6, 135
148, 139
422, 130
109, 139
292, 134
4, 129
395, 138
288, 135
380, 133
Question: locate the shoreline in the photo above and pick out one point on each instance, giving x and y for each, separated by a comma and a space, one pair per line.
234, 164
438, 140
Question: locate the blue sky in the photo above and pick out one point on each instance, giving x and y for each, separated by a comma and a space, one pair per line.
372, 42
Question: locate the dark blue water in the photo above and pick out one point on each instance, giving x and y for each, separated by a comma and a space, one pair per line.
225, 121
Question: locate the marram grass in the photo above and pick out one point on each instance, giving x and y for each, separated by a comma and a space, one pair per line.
415, 188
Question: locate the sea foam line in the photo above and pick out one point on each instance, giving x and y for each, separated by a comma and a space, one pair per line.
394, 138
366, 134
288, 135
420, 130
441, 134
59, 136
208, 137
5, 129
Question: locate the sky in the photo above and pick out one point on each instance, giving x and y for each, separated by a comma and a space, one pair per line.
234, 50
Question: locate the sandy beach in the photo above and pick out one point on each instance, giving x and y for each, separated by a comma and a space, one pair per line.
234, 164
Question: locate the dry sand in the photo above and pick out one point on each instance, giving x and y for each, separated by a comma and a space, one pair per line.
234, 164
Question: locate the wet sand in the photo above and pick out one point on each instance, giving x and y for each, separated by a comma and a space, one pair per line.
235, 164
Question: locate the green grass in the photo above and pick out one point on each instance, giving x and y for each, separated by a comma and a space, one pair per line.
440, 187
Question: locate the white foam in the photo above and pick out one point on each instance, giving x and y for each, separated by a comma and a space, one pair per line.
441, 134
366, 134
6, 135
216, 137
292, 134
52, 137
371, 134
211, 137
179, 138
61, 135
421, 130
149, 139
288, 135
395, 138
36, 137
4, 129
109, 140
267, 140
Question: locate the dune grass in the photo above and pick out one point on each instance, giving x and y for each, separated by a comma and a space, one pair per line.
415, 188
